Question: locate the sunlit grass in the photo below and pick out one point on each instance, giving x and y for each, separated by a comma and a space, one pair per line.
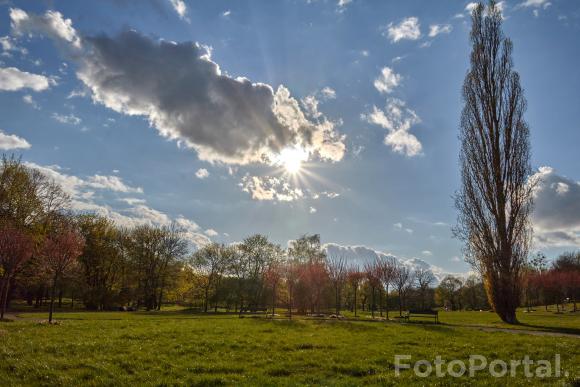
180, 347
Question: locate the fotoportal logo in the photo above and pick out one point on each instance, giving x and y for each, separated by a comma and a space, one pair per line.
478, 364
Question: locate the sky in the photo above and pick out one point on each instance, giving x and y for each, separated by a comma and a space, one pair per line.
282, 117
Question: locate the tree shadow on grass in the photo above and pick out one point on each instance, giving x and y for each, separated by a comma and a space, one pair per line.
545, 328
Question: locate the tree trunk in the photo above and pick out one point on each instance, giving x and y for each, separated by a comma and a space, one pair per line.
206, 299
355, 302
504, 299
337, 302
4, 296
380, 302
387, 301
400, 304
160, 298
273, 300
373, 303
52, 294
290, 306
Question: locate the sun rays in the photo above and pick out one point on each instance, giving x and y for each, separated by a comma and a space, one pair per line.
291, 159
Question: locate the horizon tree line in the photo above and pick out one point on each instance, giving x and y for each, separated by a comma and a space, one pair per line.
48, 254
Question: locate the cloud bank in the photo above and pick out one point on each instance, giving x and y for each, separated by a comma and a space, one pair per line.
86, 197
359, 255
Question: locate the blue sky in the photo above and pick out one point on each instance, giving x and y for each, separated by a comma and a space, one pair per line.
137, 109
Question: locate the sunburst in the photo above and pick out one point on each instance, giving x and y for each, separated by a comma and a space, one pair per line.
291, 159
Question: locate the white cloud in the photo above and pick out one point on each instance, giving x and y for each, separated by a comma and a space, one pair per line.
312, 210
180, 7
399, 226
29, 100
328, 93
359, 255
342, 4
83, 200
535, 4
330, 195
556, 216
202, 173
501, 5
12, 141
8, 45
132, 201
270, 188
387, 80
70, 119
310, 102
279, 189
225, 119
408, 28
12, 79
52, 24
561, 188
210, 232
111, 183
310, 105
323, 140
77, 94
470, 7
437, 29
398, 120
226, 13
77, 187
427, 253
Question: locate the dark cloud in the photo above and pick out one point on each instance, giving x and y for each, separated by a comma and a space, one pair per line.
186, 96
556, 214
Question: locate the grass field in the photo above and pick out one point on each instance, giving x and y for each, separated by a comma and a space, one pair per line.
179, 347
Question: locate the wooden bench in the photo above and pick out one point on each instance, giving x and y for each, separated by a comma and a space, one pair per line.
423, 313
254, 310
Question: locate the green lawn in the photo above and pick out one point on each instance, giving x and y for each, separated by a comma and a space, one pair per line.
178, 347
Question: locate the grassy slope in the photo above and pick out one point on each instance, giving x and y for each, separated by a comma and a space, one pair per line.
177, 347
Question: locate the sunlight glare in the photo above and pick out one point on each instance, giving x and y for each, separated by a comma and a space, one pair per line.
292, 158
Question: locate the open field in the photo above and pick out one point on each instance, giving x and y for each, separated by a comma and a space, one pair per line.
179, 347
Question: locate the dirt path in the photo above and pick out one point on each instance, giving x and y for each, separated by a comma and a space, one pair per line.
15, 317
517, 331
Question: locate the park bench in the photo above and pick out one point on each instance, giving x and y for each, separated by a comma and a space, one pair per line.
254, 310
423, 313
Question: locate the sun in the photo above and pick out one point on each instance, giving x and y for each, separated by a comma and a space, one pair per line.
291, 159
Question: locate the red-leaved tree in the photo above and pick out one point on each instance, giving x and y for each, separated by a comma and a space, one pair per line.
16, 247
60, 252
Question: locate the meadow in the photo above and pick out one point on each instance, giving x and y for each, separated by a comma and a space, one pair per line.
178, 346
